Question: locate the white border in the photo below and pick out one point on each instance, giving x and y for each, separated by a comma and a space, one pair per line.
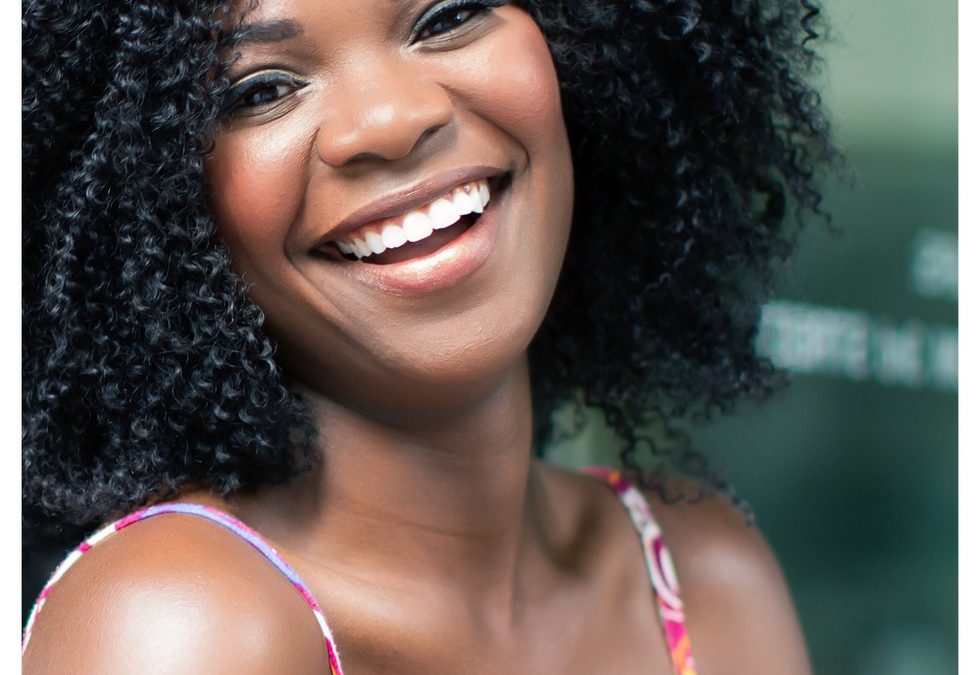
969, 405
10, 370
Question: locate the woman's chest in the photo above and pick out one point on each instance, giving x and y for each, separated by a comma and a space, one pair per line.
579, 629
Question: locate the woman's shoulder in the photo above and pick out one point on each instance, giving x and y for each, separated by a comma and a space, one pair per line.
174, 593
738, 609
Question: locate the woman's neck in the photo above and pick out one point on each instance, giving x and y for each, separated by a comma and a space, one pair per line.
454, 504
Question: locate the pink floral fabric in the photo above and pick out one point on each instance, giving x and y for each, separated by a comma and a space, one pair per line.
659, 565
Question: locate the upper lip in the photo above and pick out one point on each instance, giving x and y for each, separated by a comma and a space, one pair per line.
407, 198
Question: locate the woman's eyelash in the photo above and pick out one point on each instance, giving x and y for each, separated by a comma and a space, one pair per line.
446, 17
261, 90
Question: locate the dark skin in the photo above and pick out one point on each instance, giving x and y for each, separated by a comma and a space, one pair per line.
429, 535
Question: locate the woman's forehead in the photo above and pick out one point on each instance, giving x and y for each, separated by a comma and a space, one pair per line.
341, 12
270, 22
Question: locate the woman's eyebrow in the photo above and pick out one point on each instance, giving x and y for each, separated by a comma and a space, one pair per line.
263, 32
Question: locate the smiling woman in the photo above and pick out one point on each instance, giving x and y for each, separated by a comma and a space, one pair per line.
388, 125
315, 266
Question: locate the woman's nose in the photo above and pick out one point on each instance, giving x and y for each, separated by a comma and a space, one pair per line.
384, 113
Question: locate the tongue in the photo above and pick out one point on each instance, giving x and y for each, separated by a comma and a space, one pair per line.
418, 249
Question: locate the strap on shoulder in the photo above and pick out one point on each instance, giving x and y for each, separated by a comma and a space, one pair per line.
227, 521
660, 565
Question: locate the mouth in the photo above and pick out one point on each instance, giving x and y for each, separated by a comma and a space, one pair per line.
419, 232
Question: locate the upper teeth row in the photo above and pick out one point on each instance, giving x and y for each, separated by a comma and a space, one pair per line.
418, 223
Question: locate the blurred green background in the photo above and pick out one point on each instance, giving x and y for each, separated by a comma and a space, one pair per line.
851, 470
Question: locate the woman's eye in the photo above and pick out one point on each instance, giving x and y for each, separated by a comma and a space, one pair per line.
451, 16
266, 93
260, 91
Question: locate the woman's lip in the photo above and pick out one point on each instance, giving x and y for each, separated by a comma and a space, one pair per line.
401, 201
441, 269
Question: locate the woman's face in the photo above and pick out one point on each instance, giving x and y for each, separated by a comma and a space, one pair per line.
362, 140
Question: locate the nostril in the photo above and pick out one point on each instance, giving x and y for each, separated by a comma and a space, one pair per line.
426, 135
365, 156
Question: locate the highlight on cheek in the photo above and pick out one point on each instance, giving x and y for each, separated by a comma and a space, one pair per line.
257, 178
533, 75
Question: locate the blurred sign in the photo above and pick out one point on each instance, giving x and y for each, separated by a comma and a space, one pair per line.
857, 346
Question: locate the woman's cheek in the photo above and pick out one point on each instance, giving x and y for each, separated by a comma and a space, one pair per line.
523, 86
257, 179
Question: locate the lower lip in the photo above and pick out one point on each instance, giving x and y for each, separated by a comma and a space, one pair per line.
442, 269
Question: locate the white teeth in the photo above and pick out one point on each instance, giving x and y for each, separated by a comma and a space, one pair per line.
393, 236
477, 202
417, 226
462, 202
362, 249
442, 213
374, 242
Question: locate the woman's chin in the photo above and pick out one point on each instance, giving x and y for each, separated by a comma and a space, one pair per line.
434, 385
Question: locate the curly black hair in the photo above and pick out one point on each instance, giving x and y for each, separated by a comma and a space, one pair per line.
694, 132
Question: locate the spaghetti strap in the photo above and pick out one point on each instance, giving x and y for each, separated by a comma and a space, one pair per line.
221, 518
660, 566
